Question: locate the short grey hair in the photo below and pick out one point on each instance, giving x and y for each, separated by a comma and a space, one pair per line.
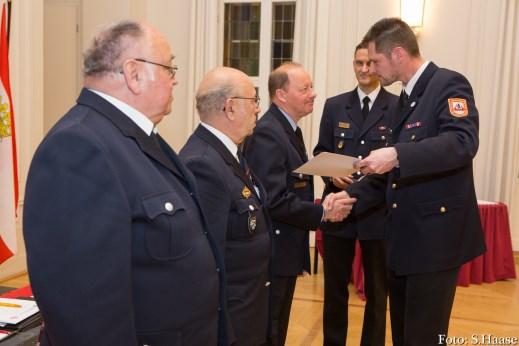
213, 100
107, 47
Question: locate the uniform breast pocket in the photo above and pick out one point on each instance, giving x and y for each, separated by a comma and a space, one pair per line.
378, 138
167, 233
243, 222
342, 137
414, 134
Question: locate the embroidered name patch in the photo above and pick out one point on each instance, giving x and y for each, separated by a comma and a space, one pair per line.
458, 107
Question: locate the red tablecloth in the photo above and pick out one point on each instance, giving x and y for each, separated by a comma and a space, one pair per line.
496, 264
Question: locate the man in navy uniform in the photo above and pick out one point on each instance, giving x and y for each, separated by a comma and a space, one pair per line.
233, 200
433, 224
275, 149
118, 250
353, 124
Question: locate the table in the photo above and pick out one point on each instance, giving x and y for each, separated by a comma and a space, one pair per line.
496, 264
27, 337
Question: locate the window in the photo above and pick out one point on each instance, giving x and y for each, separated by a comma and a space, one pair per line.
258, 36
283, 20
242, 37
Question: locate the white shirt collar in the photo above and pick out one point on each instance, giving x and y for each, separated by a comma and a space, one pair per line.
412, 82
137, 117
229, 144
372, 96
289, 118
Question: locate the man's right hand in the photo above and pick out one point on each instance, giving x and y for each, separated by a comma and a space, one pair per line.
337, 206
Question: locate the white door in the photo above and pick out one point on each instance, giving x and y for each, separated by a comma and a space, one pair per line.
62, 58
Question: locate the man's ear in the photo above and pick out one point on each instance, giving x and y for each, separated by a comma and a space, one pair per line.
133, 76
397, 53
281, 95
227, 106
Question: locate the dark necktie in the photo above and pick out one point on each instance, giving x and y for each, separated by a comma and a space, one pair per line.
244, 165
404, 99
301, 142
155, 138
365, 107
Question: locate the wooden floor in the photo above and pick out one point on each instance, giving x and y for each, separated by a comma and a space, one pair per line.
478, 309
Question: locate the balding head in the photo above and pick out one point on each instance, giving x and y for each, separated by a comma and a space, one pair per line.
129, 61
111, 46
226, 100
216, 87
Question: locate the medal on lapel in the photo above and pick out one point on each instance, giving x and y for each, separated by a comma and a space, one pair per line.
245, 192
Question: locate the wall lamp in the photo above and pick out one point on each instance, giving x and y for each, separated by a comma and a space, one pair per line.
411, 12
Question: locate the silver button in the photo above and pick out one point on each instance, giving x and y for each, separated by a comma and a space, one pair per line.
168, 206
393, 186
300, 176
277, 231
413, 104
362, 142
251, 207
267, 284
443, 210
360, 157
383, 137
413, 137
217, 269
342, 134
395, 205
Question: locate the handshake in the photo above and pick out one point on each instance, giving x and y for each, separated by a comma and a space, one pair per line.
337, 206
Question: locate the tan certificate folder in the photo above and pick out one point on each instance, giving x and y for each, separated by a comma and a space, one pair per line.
329, 165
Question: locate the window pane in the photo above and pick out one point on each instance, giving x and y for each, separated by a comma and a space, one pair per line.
242, 34
283, 19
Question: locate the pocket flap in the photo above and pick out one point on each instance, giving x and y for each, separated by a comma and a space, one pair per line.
440, 207
164, 203
300, 176
415, 134
344, 133
246, 205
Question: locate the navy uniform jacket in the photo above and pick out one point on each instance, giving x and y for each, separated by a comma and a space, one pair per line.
240, 225
433, 221
344, 131
117, 249
273, 153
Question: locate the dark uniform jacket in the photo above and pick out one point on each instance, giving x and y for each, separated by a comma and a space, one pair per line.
344, 131
433, 222
238, 220
273, 152
117, 249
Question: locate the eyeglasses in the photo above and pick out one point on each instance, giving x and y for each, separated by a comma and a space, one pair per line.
255, 98
171, 69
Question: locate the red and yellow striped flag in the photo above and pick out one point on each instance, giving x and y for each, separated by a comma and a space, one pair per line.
8, 165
